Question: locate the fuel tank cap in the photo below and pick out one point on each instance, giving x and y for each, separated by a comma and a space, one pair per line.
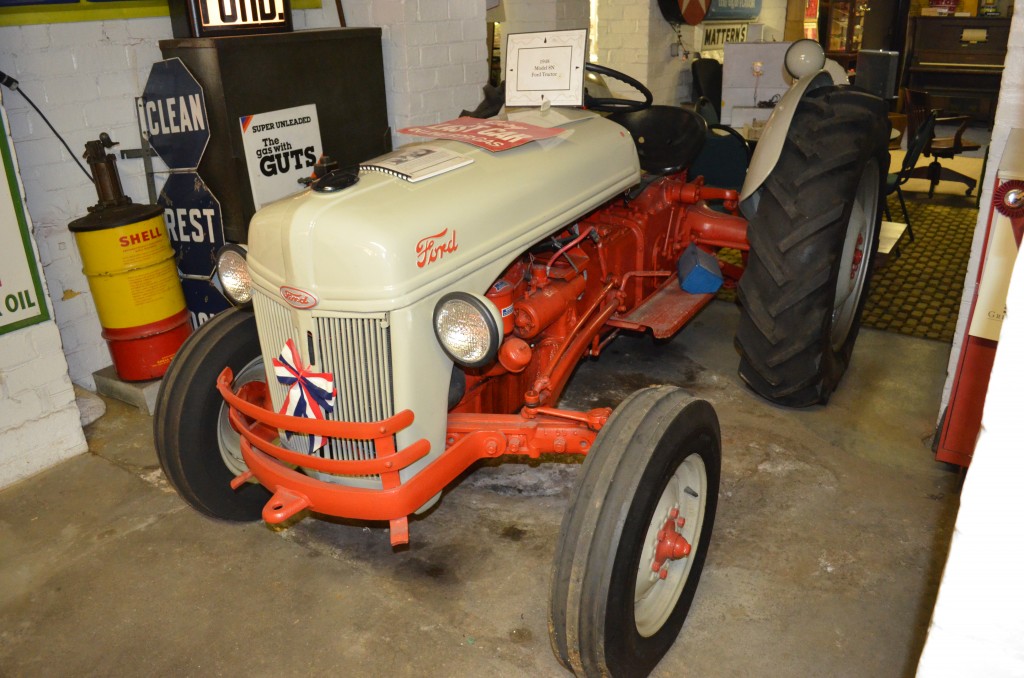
337, 180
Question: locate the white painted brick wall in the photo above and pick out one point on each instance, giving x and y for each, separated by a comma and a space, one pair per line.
39, 420
664, 72
635, 38
572, 14
526, 16
85, 76
773, 16
976, 626
1009, 114
435, 54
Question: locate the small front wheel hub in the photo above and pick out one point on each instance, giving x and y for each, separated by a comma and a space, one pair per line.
672, 545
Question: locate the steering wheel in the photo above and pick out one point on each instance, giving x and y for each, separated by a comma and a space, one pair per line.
614, 105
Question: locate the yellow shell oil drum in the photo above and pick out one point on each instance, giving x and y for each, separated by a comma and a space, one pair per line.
129, 262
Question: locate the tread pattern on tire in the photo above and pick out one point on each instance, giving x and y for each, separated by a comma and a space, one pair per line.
796, 238
582, 504
179, 423
591, 531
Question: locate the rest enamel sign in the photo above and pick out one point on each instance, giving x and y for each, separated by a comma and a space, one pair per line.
194, 223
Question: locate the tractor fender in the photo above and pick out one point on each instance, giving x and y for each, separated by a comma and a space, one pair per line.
769, 146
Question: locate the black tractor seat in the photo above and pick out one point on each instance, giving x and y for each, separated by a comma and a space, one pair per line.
667, 138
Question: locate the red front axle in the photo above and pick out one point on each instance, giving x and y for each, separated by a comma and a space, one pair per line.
470, 437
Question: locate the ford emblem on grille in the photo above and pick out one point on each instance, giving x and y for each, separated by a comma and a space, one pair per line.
298, 298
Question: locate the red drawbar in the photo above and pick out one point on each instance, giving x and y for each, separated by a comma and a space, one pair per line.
470, 437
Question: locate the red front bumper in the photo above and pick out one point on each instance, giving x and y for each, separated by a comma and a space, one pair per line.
470, 437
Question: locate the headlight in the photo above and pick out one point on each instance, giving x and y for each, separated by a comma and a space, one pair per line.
233, 273
468, 327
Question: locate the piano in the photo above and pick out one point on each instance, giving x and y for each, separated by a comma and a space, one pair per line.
958, 61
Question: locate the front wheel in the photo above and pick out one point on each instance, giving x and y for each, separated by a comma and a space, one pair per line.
198, 450
812, 239
633, 542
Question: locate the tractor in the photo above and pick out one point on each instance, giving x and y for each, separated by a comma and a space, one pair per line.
389, 334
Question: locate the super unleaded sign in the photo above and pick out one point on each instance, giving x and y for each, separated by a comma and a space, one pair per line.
280, 147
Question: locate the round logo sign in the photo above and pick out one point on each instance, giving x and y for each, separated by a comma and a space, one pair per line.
693, 10
298, 298
684, 11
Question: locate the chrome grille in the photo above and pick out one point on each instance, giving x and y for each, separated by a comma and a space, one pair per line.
356, 349
273, 320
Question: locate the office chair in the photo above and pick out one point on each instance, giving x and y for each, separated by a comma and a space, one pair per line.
723, 160
917, 107
707, 82
706, 110
894, 180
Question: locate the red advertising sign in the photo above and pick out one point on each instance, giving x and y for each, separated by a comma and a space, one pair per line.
493, 135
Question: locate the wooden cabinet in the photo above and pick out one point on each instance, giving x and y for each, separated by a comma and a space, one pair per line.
841, 29
959, 62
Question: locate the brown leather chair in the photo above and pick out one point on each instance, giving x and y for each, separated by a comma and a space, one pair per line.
917, 107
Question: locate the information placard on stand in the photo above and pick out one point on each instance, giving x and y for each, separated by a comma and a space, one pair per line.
546, 67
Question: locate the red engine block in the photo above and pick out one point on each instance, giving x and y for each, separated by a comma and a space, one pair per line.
565, 301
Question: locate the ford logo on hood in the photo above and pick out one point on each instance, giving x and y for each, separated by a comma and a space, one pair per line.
298, 298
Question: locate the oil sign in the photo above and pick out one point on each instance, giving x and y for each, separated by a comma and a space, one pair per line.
21, 292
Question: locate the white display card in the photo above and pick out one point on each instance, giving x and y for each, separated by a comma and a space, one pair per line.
546, 67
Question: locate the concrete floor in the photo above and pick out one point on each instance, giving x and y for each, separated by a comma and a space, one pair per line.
831, 535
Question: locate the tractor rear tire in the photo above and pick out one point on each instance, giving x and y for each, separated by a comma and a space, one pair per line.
812, 244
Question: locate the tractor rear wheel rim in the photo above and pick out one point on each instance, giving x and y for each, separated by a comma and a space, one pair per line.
855, 258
